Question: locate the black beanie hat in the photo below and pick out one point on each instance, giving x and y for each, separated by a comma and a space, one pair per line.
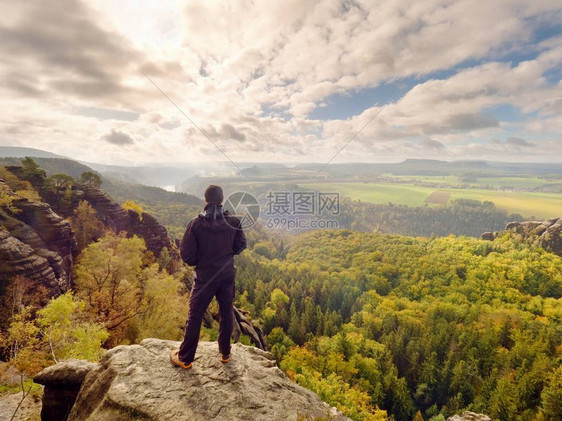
214, 194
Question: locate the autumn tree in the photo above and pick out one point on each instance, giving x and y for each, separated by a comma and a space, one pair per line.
108, 278
135, 207
126, 291
87, 227
165, 307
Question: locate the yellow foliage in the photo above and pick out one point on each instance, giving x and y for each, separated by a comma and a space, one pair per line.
134, 206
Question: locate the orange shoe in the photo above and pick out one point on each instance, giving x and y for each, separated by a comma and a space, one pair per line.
225, 359
175, 359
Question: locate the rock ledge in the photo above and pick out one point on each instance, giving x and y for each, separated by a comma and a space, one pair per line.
138, 382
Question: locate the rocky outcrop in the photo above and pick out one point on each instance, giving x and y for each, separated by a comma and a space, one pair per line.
118, 219
138, 382
109, 212
39, 244
19, 259
244, 325
469, 416
63, 382
489, 236
546, 234
155, 235
55, 233
35, 243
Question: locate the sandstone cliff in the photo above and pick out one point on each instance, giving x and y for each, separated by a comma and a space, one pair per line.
35, 243
138, 382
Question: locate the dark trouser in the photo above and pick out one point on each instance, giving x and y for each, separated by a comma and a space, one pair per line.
201, 295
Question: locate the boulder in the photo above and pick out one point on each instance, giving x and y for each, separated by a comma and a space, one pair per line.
469, 416
489, 236
139, 382
62, 383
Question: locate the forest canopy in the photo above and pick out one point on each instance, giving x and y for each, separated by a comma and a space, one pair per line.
432, 325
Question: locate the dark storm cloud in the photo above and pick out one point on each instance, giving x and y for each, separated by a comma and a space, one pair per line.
226, 132
431, 144
472, 121
457, 122
118, 138
519, 142
24, 85
230, 132
62, 41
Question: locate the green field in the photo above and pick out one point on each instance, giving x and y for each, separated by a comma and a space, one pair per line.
539, 205
521, 183
402, 194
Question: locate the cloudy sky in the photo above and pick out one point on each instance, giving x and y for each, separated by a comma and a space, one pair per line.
283, 81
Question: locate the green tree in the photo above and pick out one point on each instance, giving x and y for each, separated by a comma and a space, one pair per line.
66, 334
344, 345
418, 417
125, 290
24, 345
164, 307
91, 179
6, 202
278, 298
551, 396
279, 343
31, 170
503, 405
60, 182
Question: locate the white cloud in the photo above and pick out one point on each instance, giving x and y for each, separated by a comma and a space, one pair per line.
251, 73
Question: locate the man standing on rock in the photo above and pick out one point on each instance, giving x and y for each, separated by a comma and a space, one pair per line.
210, 242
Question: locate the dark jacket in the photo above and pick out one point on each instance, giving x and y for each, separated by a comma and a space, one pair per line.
210, 242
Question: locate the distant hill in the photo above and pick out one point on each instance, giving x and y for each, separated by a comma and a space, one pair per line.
19, 152
52, 165
433, 167
161, 175
157, 175
122, 191
118, 189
